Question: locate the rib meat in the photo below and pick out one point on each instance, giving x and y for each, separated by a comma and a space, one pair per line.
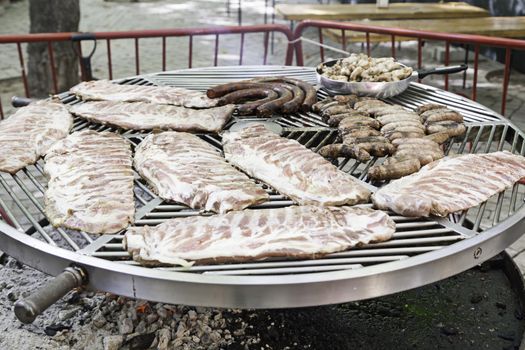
292, 232
451, 184
90, 182
28, 134
291, 168
104, 90
183, 168
145, 116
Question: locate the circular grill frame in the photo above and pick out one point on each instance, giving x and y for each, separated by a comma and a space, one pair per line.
274, 291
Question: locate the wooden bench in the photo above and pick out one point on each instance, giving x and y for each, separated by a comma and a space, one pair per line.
299, 12
506, 27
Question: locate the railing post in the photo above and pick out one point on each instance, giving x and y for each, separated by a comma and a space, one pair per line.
475, 78
506, 78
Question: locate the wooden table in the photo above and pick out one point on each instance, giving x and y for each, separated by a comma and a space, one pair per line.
507, 27
298, 12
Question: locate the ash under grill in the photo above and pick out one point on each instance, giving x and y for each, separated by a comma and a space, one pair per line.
413, 242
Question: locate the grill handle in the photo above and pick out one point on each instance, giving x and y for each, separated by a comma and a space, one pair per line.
442, 70
27, 309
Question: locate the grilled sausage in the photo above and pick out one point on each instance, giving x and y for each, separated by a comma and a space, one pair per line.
246, 95
343, 150
399, 134
374, 109
391, 110
394, 170
420, 147
317, 106
392, 126
451, 128
360, 132
366, 139
428, 107
310, 93
439, 137
335, 119
423, 157
336, 109
363, 104
294, 104
414, 141
274, 106
224, 89
250, 108
310, 97
442, 115
394, 118
355, 123
378, 149
348, 99
407, 128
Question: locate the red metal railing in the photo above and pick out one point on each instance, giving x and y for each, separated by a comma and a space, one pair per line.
293, 40
109, 37
471, 40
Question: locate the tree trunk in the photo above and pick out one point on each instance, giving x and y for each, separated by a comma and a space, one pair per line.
48, 16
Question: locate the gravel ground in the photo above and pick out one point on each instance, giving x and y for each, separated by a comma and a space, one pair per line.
474, 310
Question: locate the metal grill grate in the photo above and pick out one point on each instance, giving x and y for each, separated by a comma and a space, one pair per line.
486, 132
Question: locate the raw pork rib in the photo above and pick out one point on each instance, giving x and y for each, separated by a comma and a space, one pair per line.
90, 182
145, 116
300, 232
28, 134
451, 184
291, 168
104, 90
183, 168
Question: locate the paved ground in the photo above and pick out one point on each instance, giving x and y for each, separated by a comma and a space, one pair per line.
99, 15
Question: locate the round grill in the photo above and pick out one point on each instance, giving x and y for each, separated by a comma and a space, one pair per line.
421, 251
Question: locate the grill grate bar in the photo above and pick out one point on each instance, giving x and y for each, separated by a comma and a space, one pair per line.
368, 165
474, 145
420, 233
41, 187
9, 213
479, 216
28, 215
513, 197
414, 241
290, 270
37, 204
491, 138
514, 142
499, 205
291, 263
503, 137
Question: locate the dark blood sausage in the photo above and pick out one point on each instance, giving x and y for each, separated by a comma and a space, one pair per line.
294, 104
250, 108
310, 92
245, 95
274, 106
224, 89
